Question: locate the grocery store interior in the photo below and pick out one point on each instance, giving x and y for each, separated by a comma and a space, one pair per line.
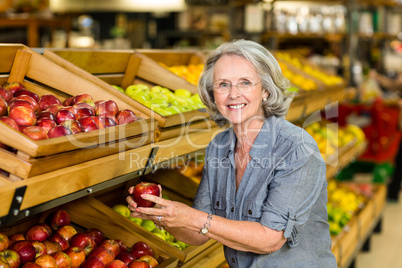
344, 63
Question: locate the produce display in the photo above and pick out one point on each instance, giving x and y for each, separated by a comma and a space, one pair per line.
46, 116
297, 80
57, 243
190, 72
162, 100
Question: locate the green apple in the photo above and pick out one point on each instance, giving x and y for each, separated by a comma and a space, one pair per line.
142, 87
181, 92
161, 103
157, 89
141, 97
131, 90
196, 98
160, 233
161, 236
182, 244
118, 88
136, 220
148, 225
175, 244
162, 111
173, 109
122, 209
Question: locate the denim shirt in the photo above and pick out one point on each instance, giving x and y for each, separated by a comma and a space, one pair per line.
284, 188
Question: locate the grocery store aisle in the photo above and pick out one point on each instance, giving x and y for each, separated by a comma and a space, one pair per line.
386, 246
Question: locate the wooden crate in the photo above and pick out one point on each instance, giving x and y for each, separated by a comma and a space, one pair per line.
105, 200
85, 216
349, 240
366, 218
380, 197
42, 76
110, 67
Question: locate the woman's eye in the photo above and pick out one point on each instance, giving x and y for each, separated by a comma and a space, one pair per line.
224, 85
245, 83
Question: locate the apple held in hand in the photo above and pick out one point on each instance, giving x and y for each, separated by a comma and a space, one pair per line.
145, 188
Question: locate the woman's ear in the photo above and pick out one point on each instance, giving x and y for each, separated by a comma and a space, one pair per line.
265, 94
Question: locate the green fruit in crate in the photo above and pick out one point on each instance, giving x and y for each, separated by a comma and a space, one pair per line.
136, 220
182, 244
177, 245
148, 225
184, 93
160, 233
119, 88
122, 209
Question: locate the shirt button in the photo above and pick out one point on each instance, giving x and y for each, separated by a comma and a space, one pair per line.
233, 260
217, 203
250, 212
232, 209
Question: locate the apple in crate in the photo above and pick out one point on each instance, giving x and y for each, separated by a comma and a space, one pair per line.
126, 116
48, 99
52, 247
67, 102
45, 114
73, 125
126, 257
82, 112
6, 94
12, 257
77, 256
117, 264
59, 131
88, 123
46, 261
62, 260
103, 254
56, 237
67, 232
4, 241
83, 98
150, 260
141, 248
4, 263
97, 235
54, 108
138, 264
83, 241
93, 262
35, 132
145, 188
37, 232
25, 91
23, 116
16, 237
25, 249
111, 245
13, 86
16, 103
9, 121
123, 246
85, 105
108, 107
46, 123
30, 100
31, 265
3, 106
40, 248
58, 219
63, 115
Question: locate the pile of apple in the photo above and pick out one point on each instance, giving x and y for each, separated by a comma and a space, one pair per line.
43, 117
57, 243
162, 100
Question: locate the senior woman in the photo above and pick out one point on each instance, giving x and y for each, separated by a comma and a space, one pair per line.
263, 189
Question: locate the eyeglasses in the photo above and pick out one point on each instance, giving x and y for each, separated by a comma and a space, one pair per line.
226, 87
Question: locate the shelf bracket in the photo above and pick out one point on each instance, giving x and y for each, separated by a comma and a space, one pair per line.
151, 158
15, 206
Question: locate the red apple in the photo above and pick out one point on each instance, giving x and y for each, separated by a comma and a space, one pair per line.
35, 132
107, 120
88, 123
58, 131
56, 237
83, 112
126, 257
63, 115
93, 262
16, 103
98, 122
13, 86
53, 108
83, 98
126, 116
84, 105
123, 246
77, 256
103, 254
150, 260
145, 188
117, 264
46, 123
46, 100
138, 264
58, 219
47, 227
108, 107
73, 125
25, 249
3, 106
31, 265
97, 235
112, 245
16, 237
46, 261
67, 232
52, 247
28, 99
6, 94
23, 116
71, 109
9, 121
62, 260
67, 102
12, 257
25, 91
141, 248
37, 232
4, 263
83, 241
45, 114
40, 248
4, 241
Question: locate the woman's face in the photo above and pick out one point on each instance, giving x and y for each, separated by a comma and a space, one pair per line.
235, 106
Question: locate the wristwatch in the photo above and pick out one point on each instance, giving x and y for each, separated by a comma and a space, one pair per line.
204, 230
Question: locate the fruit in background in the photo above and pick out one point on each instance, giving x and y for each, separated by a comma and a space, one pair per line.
111, 245
83, 98
73, 125
46, 100
23, 116
67, 102
16, 237
67, 232
46, 261
3, 107
16, 103
82, 112
138, 264
150, 260
13, 86
126, 116
62, 260
145, 188
148, 225
37, 232
58, 219
25, 249
40, 248
45, 114
136, 220
63, 115
47, 227
31, 265
9, 121
29, 99
12, 257
97, 235
46, 123
126, 257
88, 123
83, 241
4, 241
6, 94
106, 120
85, 105
4, 263
117, 264
51, 247
118, 88
77, 256
141, 248
109, 107
35, 132
58, 131
54, 109
122, 210
56, 237
122, 245
93, 262
184, 93
105, 255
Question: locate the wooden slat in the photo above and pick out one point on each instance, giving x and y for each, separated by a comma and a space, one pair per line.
20, 66
7, 55
17, 140
131, 71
